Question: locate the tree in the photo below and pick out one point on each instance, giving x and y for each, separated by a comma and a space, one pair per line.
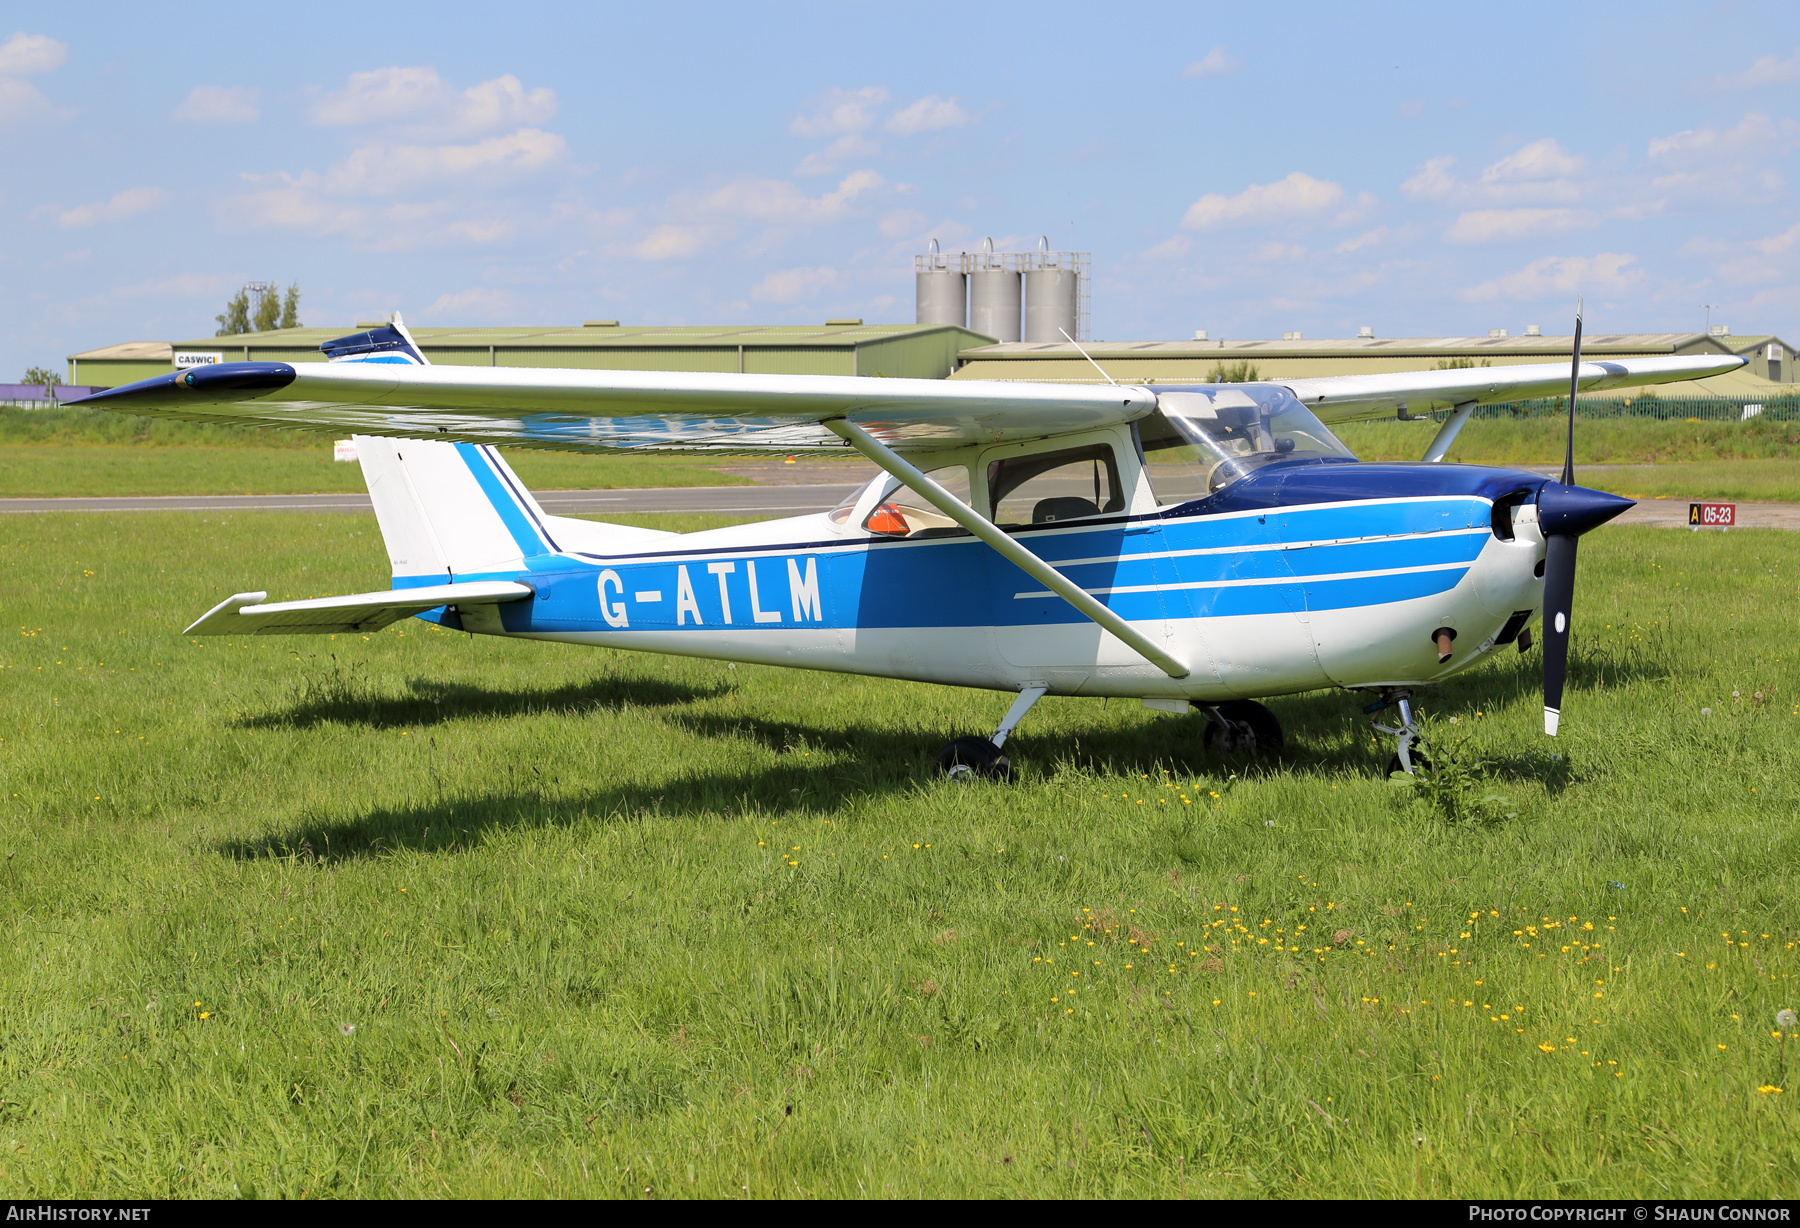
41, 375
236, 318
259, 308
267, 312
1232, 373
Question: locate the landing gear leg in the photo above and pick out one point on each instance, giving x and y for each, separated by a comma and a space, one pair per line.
1404, 758
967, 758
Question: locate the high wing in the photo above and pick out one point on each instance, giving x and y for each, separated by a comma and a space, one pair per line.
245, 613
610, 411
606, 411
1345, 398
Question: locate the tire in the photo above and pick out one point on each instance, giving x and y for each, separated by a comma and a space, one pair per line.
974, 757
1262, 723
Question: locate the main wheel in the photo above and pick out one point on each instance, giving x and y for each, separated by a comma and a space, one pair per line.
1265, 730
969, 757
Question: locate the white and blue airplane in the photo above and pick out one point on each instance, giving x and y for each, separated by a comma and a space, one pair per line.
1208, 545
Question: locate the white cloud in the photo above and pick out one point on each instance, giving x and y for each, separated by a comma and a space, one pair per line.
824, 161
1432, 181
1214, 63
929, 114
1757, 261
1734, 167
219, 104
478, 303
1498, 225
386, 169
1170, 249
21, 101
1777, 244
839, 111
1542, 159
791, 285
1562, 276
292, 202
1756, 135
127, 204
31, 55
1298, 195
1764, 70
419, 98
670, 243
1538, 173
778, 201
1368, 238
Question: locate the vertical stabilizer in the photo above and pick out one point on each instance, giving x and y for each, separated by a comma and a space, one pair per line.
450, 511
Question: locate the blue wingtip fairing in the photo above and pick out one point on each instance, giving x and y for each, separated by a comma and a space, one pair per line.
226, 381
389, 344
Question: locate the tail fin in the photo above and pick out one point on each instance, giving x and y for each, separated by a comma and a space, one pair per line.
450, 511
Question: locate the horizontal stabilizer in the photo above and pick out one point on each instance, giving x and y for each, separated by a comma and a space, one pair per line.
244, 614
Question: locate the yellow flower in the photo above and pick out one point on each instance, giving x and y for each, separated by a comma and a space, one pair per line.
206, 1014
1769, 1089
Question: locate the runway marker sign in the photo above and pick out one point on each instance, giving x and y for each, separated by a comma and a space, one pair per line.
1712, 515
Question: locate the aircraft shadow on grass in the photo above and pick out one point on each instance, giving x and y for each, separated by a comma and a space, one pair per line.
869, 759
343, 699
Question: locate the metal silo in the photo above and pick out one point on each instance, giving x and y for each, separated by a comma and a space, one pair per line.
1052, 296
942, 288
994, 299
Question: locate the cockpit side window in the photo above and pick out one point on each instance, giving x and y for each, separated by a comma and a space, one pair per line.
1201, 440
1050, 487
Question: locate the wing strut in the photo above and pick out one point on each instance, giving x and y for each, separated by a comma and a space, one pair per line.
1005, 546
1453, 425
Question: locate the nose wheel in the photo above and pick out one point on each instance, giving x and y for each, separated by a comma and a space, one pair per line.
1405, 758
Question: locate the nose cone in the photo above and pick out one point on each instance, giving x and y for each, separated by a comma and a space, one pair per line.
1570, 511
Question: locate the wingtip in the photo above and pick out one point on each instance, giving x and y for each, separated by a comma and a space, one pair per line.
231, 605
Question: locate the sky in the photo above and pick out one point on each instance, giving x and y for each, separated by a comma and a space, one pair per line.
1425, 169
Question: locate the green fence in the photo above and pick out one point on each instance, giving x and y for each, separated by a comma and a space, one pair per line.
1784, 408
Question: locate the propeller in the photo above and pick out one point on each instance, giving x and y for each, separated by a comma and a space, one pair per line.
1565, 512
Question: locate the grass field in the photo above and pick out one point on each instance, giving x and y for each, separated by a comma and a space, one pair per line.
1598, 441
422, 914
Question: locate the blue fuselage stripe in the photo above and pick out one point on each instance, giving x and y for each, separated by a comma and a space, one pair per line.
1291, 560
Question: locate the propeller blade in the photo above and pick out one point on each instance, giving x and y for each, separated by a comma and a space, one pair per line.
1566, 512
1568, 473
1559, 592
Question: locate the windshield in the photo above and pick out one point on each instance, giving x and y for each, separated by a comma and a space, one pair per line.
1201, 440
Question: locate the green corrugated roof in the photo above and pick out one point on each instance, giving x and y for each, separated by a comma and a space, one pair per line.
566, 336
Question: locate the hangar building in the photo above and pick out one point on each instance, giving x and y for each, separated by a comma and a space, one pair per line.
837, 347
